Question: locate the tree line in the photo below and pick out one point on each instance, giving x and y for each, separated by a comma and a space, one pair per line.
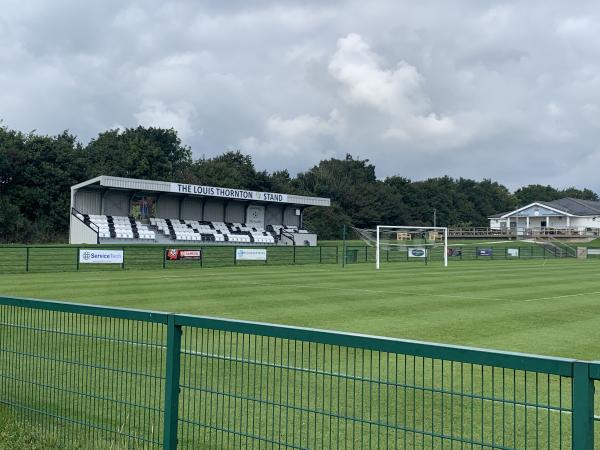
37, 171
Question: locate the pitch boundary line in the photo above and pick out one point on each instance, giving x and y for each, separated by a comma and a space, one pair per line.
556, 297
374, 291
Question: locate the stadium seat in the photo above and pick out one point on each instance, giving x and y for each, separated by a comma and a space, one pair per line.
191, 230
118, 227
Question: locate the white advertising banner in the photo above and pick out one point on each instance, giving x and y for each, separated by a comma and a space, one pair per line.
512, 252
417, 252
239, 194
251, 254
94, 256
593, 251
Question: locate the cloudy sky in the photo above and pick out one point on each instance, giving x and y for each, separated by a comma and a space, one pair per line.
507, 90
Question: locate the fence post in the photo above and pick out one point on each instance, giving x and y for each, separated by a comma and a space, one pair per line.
27, 260
78, 251
172, 384
320, 255
164, 257
344, 246
583, 407
294, 253
123, 263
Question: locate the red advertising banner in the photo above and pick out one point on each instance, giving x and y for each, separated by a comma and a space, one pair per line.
174, 254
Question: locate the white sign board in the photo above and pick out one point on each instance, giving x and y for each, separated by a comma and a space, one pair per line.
94, 256
417, 252
512, 252
239, 194
251, 254
593, 251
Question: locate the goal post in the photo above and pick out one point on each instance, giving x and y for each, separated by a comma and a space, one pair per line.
405, 233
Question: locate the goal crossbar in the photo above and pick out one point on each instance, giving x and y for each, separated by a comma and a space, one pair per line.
405, 227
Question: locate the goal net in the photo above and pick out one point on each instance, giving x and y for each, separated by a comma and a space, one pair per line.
414, 242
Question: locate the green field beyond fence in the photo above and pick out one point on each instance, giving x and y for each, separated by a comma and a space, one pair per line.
65, 258
118, 378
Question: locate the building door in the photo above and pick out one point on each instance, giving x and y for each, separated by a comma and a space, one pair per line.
543, 224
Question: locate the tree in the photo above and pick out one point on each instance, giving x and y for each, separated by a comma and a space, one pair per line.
539, 193
327, 222
231, 169
148, 153
37, 171
536, 193
582, 194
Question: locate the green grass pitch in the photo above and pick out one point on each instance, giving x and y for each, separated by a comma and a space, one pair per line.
543, 306
549, 307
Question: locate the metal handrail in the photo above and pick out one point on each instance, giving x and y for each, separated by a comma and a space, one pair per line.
74, 212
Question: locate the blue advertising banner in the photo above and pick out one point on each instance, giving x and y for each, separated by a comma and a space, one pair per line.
485, 252
417, 252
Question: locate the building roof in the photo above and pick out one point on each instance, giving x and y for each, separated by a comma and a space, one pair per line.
568, 205
575, 206
133, 184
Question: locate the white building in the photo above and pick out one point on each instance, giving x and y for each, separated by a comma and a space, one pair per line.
565, 213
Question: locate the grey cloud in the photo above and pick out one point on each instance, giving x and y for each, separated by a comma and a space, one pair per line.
502, 89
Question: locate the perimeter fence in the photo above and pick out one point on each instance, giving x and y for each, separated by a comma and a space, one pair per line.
66, 258
366, 253
119, 378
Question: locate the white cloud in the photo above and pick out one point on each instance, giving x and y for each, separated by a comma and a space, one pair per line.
398, 93
179, 116
355, 66
304, 139
305, 126
429, 131
419, 92
576, 26
553, 110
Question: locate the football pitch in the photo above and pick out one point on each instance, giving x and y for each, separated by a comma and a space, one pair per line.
542, 306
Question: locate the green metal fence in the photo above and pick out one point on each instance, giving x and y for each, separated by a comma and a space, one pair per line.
64, 258
119, 378
365, 253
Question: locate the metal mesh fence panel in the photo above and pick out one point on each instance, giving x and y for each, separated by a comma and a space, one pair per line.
111, 378
65, 258
253, 390
595, 375
85, 379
